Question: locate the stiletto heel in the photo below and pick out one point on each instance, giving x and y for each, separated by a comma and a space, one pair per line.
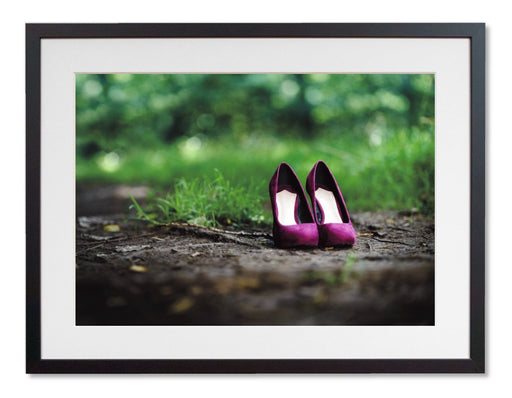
329, 209
294, 224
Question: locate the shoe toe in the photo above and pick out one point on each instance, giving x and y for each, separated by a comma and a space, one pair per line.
286, 236
334, 234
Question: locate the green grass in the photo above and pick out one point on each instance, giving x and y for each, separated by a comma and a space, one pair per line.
211, 202
226, 178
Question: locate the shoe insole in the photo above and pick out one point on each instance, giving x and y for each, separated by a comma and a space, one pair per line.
327, 202
286, 207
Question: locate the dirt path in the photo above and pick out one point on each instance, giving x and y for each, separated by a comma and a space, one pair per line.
191, 275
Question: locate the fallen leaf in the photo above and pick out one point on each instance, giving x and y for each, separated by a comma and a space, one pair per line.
182, 305
111, 228
247, 283
138, 268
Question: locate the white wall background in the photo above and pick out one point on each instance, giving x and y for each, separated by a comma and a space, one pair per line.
14, 382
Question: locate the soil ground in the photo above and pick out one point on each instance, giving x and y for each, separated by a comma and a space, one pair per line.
128, 273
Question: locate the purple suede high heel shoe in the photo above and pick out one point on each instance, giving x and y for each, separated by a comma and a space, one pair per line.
294, 224
329, 209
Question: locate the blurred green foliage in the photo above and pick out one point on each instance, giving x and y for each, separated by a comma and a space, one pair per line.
375, 131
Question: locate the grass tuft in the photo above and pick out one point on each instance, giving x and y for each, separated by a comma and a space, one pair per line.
210, 202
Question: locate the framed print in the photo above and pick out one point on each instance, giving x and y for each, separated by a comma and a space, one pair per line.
255, 198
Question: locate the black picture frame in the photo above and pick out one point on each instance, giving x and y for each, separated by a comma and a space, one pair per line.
475, 32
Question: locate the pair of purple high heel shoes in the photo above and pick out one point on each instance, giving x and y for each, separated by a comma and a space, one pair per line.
295, 224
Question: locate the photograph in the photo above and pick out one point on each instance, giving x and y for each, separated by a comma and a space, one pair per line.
249, 199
